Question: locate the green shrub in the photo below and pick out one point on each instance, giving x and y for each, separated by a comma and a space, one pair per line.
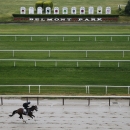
127, 8
39, 4
47, 4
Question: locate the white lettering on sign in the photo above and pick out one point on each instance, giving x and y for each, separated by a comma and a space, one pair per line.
66, 19
82, 19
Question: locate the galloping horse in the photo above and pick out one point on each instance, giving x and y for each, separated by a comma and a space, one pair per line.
20, 111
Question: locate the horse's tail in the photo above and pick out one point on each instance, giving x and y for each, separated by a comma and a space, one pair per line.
13, 113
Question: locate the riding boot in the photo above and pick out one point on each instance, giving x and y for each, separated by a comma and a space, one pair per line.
26, 112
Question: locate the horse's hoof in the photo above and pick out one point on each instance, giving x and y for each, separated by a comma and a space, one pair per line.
24, 121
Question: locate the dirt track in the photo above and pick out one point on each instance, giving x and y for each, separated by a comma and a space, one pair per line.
74, 115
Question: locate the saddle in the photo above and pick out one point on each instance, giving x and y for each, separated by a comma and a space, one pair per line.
25, 112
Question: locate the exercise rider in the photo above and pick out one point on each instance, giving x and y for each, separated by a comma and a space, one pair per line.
25, 105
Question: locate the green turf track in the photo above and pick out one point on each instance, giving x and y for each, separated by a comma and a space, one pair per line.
64, 73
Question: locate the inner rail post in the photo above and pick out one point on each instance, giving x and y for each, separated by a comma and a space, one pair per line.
31, 38
14, 63
1, 101
118, 64
39, 88
29, 88
88, 101
99, 64
63, 102
79, 38
109, 101
15, 38
77, 64
111, 39
27, 99
35, 63
55, 63
106, 89
86, 89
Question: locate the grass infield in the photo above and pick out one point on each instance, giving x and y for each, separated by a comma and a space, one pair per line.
25, 73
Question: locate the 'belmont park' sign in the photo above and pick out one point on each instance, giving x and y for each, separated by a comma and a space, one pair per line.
65, 17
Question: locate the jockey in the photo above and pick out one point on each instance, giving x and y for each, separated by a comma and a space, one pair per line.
25, 105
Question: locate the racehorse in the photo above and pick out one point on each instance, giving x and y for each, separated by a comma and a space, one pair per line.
20, 111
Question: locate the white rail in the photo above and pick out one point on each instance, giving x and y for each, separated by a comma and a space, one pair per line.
66, 35
87, 87
49, 51
56, 61
65, 97
63, 36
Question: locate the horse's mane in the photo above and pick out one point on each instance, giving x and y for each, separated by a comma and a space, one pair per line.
33, 106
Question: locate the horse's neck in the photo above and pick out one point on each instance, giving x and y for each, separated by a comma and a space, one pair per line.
31, 108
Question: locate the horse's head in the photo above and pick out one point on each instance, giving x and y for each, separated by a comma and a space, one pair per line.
34, 108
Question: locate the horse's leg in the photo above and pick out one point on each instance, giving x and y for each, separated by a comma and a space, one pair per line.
21, 117
30, 115
13, 113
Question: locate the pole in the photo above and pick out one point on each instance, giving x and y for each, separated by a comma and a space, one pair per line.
77, 64
39, 88
29, 88
88, 101
49, 53
86, 89
63, 101
109, 102
1, 101
106, 89
27, 99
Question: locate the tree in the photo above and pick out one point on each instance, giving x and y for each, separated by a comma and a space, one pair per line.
47, 3
39, 3
127, 8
